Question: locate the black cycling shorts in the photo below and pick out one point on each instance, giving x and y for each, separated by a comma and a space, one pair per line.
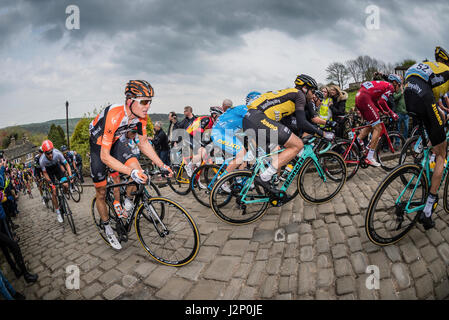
419, 99
98, 170
271, 131
55, 173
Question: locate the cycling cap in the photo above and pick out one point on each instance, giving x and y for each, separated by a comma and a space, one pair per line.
305, 80
253, 95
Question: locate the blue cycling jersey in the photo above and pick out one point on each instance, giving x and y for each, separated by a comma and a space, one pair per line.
223, 132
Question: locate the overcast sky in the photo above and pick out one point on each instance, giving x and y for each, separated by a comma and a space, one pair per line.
193, 52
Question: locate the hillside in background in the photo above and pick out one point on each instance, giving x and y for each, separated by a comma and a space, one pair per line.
44, 127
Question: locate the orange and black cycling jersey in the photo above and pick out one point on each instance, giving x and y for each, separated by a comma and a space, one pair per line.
112, 123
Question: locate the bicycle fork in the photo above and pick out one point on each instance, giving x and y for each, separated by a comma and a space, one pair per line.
157, 222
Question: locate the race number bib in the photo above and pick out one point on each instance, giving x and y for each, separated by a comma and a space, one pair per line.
367, 85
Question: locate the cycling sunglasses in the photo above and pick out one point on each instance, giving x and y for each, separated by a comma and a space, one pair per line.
48, 153
143, 102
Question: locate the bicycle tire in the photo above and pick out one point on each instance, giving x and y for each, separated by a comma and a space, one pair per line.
374, 224
79, 184
75, 194
180, 182
231, 215
408, 153
445, 194
200, 186
190, 245
384, 156
334, 168
69, 215
352, 159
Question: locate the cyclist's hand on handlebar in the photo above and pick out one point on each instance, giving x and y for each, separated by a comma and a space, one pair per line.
139, 176
331, 124
394, 116
329, 136
166, 168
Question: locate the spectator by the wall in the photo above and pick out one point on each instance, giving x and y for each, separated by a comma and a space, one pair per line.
173, 118
227, 103
160, 143
7, 244
338, 107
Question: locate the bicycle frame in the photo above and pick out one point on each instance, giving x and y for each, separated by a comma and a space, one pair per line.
140, 195
307, 153
425, 169
383, 132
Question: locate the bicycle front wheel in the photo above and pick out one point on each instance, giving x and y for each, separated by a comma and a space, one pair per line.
350, 154
180, 182
200, 184
321, 183
233, 206
390, 216
385, 156
171, 238
68, 213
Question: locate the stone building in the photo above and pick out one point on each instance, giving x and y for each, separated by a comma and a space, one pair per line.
21, 151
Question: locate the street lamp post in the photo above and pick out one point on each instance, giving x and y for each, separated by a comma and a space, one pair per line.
67, 123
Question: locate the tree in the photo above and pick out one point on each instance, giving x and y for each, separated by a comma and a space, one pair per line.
407, 63
367, 66
150, 129
57, 136
80, 138
354, 70
337, 72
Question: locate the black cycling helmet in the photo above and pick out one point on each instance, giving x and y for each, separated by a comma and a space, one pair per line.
319, 95
64, 148
441, 55
305, 80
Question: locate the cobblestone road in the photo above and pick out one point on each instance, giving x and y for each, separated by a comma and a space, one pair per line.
298, 251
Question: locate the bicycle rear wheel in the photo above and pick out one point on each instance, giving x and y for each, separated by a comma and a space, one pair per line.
229, 206
78, 184
315, 187
385, 156
386, 220
173, 239
352, 158
180, 182
200, 183
75, 193
408, 152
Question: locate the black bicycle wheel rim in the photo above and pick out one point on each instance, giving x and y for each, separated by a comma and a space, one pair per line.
234, 198
386, 159
373, 227
310, 166
191, 245
175, 185
202, 196
352, 160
